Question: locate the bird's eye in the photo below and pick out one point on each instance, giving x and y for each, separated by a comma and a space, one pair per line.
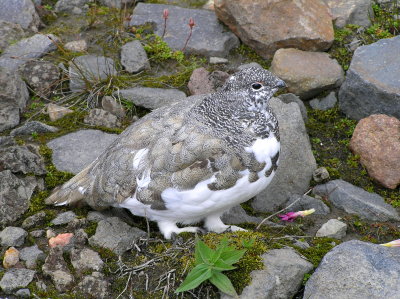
256, 86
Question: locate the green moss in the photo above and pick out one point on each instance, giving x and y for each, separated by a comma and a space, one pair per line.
319, 247
91, 228
249, 55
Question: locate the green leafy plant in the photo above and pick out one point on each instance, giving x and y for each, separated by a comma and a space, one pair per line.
210, 264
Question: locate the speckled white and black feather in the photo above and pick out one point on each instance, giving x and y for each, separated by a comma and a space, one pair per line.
189, 161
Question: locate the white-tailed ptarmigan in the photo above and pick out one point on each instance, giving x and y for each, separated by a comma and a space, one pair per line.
190, 161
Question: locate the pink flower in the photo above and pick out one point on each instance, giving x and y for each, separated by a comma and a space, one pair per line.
395, 243
61, 239
291, 216
191, 23
165, 13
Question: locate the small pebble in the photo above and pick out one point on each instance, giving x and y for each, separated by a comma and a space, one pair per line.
11, 258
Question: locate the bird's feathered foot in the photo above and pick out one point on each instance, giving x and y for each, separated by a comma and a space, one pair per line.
169, 229
214, 223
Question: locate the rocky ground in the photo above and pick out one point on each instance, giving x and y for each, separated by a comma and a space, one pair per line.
74, 74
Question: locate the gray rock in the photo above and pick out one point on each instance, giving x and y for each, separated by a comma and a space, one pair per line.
37, 233
72, 6
332, 229
7, 141
20, 12
320, 174
281, 278
31, 255
12, 236
358, 12
86, 259
296, 162
301, 244
371, 85
33, 127
325, 103
22, 159
209, 37
16, 278
26, 49
34, 220
238, 215
355, 200
116, 235
42, 76
151, 98
13, 98
110, 104
9, 33
95, 286
89, 69
291, 97
103, 118
97, 216
14, 197
218, 60
23, 293
306, 203
55, 267
356, 270
64, 218
75, 151
134, 57
57, 112
76, 45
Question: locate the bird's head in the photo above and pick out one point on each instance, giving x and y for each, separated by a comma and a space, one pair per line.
258, 83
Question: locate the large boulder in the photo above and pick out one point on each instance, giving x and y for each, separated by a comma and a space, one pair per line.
356, 270
20, 12
296, 161
26, 49
75, 151
268, 25
306, 74
9, 33
209, 37
88, 70
13, 98
372, 84
344, 12
376, 140
356, 201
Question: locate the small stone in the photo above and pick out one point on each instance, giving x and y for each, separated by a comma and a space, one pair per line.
111, 105
31, 255
325, 103
218, 60
33, 127
301, 244
291, 97
86, 259
15, 279
34, 220
11, 258
248, 65
151, 98
56, 267
60, 240
72, 6
320, 174
76, 46
358, 12
41, 285
134, 57
102, 118
376, 139
306, 74
116, 235
23, 293
12, 236
64, 218
56, 112
94, 285
332, 229
50, 234
37, 233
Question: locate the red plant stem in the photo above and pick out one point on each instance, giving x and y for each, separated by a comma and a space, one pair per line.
165, 28
187, 40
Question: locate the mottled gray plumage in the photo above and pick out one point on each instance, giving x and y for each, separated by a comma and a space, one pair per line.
177, 147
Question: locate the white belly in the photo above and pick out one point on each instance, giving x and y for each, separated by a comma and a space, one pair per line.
193, 205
